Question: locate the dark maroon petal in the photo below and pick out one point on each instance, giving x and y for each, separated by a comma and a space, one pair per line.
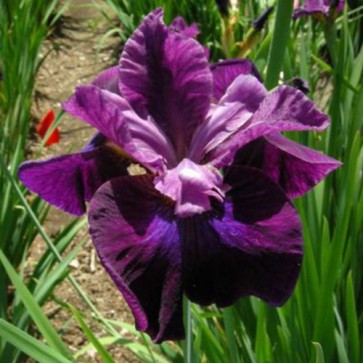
112, 115
166, 74
250, 246
108, 80
296, 168
137, 240
68, 181
283, 109
226, 71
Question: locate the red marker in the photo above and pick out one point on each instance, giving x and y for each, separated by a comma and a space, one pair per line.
44, 125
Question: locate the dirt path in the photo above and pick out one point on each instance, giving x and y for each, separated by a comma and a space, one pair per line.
75, 59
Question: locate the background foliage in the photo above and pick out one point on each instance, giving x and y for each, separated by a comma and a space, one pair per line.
323, 321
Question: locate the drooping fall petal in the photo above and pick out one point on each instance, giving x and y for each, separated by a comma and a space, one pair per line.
251, 245
69, 181
137, 240
296, 168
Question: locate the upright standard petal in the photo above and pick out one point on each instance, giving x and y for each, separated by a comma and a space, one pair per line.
111, 114
108, 80
283, 109
226, 71
181, 26
234, 110
137, 240
296, 168
250, 246
68, 181
166, 74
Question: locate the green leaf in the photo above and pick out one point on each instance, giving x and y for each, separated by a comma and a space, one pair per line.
279, 42
41, 321
352, 321
91, 337
230, 322
29, 345
319, 353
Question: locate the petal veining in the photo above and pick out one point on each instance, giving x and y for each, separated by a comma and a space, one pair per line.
113, 117
283, 109
68, 181
234, 110
166, 74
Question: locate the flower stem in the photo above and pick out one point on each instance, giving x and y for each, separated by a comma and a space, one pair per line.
280, 38
188, 344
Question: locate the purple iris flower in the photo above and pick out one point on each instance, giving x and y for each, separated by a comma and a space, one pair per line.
209, 213
319, 7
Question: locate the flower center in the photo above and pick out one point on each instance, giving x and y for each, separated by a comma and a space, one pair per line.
191, 186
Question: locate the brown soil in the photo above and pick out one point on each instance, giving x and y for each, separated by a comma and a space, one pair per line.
75, 58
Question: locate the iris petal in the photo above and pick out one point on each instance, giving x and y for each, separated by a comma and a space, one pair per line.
283, 109
108, 80
226, 71
68, 181
234, 110
112, 116
296, 168
312, 7
181, 26
137, 241
251, 246
166, 74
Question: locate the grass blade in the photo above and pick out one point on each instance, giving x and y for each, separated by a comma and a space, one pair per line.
106, 357
29, 345
41, 321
